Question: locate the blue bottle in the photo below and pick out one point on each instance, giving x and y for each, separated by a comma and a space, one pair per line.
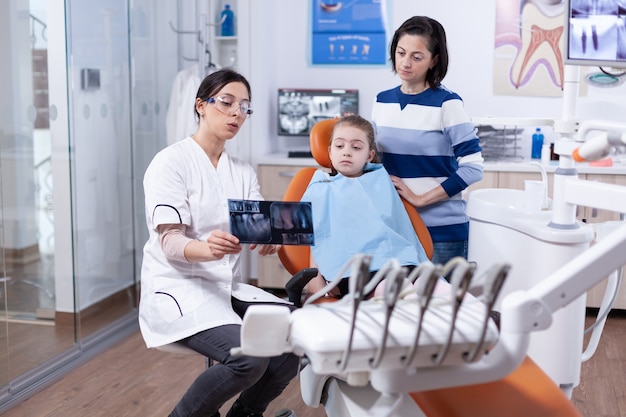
228, 24
537, 144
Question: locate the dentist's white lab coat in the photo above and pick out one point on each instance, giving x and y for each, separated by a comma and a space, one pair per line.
179, 299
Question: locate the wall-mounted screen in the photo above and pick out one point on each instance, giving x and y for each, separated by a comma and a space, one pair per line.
299, 109
595, 33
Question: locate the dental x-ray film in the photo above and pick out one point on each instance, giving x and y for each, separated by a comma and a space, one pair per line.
271, 222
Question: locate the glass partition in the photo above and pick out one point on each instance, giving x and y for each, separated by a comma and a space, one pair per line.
101, 162
78, 125
30, 333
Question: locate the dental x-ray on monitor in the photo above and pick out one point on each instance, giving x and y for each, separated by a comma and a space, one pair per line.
299, 109
595, 33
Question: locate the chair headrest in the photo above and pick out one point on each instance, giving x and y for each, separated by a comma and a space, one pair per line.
319, 139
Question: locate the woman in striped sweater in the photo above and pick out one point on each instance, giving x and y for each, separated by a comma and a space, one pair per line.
427, 142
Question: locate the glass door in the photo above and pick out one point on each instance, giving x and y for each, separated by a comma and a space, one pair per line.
101, 163
85, 90
67, 226
30, 332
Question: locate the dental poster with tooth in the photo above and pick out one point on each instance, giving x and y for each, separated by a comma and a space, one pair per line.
528, 49
272, 222
349, 32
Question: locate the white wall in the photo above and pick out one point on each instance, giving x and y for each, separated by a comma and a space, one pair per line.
280, 57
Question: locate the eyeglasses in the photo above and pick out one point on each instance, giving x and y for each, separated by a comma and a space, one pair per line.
226, 105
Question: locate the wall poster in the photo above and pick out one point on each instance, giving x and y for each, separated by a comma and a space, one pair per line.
528, 58
349, 32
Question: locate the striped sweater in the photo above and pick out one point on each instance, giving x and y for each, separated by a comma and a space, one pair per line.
428, 139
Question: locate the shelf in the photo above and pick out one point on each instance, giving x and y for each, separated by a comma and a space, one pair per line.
224, 49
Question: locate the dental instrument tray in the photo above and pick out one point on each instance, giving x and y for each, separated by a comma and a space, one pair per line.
415, 321
319, 331
500, 143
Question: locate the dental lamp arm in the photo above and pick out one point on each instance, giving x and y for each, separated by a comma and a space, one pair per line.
602, 145
523, 312
567, 283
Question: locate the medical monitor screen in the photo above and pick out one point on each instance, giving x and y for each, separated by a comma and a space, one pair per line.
595, 33
300, 109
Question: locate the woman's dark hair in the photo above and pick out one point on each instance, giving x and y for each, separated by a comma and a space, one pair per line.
215, 81
435, 35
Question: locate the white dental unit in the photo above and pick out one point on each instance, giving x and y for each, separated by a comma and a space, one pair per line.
364, 357
538, 243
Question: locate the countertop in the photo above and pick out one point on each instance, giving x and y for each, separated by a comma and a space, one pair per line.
618, 168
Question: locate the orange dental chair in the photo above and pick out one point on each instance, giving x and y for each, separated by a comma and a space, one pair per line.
296, 259
527, 391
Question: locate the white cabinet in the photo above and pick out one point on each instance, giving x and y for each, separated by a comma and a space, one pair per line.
490, 180
594, 215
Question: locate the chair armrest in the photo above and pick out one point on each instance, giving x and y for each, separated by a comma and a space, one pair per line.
295, 285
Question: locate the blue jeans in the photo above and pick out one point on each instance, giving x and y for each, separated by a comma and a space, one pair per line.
444, 251
257, 380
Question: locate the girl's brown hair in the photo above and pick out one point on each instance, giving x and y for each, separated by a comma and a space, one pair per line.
364, 125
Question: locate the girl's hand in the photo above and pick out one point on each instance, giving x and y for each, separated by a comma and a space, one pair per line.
315, 284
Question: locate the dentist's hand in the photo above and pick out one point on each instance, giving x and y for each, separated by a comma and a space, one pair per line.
223, 243
265, 249
218, 244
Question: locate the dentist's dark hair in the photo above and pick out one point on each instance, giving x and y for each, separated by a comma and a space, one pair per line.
435, 35
215, 81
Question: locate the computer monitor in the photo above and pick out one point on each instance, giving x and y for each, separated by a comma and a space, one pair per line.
299, 109
595, 33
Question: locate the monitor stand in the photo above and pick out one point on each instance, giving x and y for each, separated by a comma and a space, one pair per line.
299, 154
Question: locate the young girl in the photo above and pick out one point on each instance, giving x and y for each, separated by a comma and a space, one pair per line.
356, 208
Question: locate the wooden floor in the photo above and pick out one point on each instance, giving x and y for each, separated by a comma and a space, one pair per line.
129, 380
132, 381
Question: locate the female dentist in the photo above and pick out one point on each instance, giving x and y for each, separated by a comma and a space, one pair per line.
191, 287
